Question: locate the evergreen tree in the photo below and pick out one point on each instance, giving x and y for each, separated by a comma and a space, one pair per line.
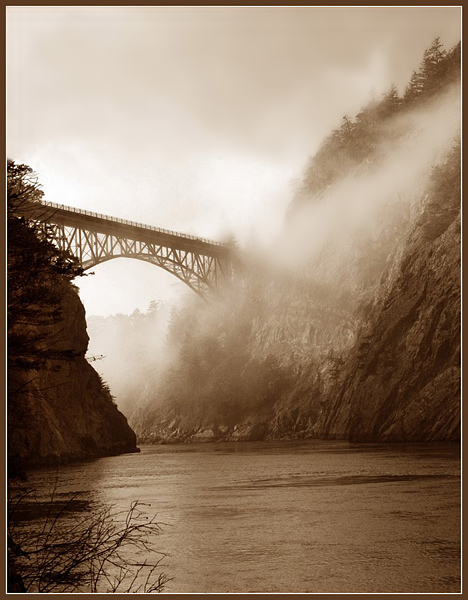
431, 74
36, 271
355, 143
415, 88
432, 66
390, 103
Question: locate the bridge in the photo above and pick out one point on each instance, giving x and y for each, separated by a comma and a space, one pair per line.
96, 238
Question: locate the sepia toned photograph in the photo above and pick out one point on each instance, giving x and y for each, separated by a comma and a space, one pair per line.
233, 271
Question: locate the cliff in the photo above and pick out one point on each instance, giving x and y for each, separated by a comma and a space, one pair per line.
61, 411
377, 362
402, 381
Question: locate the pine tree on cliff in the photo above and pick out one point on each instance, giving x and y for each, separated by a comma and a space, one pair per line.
438, 67
35, 272
357, 141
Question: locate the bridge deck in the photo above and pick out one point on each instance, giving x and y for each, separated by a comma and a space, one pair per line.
100, 223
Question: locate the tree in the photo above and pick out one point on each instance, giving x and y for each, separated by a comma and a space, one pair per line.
36, 273
432, 66
431, 75
356, 142
415, 88
390, 104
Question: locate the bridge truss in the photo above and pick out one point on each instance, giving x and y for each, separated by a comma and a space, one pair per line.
95, 238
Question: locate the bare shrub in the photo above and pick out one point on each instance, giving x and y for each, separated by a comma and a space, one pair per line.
96, 552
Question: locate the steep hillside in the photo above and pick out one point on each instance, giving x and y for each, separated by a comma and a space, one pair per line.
298, 361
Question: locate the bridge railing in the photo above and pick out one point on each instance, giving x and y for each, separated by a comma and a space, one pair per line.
125, 222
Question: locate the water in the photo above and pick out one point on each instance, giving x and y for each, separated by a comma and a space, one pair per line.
312, 516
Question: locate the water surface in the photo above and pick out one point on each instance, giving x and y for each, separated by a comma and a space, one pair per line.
313, 516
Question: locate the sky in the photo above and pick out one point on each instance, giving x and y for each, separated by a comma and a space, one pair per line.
196, 119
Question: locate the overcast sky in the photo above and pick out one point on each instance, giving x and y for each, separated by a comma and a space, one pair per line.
193, 119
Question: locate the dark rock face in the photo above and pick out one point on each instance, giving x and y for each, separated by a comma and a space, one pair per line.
62, 412
402, 382
399, 381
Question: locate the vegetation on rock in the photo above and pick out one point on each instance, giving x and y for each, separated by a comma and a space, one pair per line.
36, 273
58, 410
356, 142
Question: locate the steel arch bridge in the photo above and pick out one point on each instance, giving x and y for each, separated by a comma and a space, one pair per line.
95, 238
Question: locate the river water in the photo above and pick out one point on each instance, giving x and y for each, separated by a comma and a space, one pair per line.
315, 516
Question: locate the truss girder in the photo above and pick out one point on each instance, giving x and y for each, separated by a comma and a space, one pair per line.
199, 270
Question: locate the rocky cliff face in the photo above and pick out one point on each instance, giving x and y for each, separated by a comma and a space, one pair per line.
402, 381
389, 371
62, 411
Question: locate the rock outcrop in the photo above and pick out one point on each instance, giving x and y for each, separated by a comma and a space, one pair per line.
62, 411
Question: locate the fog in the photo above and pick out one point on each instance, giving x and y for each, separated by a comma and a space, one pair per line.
203, 120
321, 241
357, 203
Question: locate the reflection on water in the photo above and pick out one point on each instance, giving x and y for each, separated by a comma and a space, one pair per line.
288, 517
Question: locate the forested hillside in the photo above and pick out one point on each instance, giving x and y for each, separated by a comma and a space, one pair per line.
354, 333
358, 142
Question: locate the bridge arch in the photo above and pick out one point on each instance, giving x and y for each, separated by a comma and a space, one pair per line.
95, 238
190, 279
